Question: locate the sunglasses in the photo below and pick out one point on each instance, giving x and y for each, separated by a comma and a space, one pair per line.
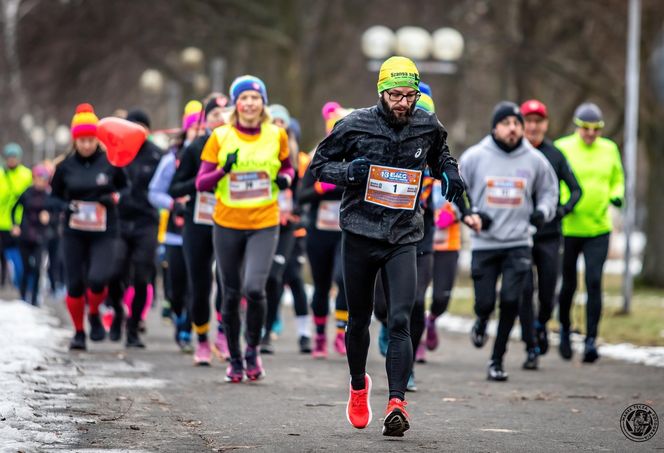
588, 125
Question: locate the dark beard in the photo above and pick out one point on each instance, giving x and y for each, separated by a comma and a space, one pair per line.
394, 121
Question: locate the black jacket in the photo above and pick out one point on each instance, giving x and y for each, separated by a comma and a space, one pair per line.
564, 174
184, 179
90, 179
308, 196
34, 202
135, 209
366, 133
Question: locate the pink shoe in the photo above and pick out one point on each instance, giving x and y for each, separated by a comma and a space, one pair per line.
340, 343
421, 354
432, 335
221, 347
254, 365
320, 347
203, 354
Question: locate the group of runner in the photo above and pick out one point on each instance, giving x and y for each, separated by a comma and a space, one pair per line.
232, 208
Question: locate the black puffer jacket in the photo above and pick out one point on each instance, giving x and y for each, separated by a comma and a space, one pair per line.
366, 133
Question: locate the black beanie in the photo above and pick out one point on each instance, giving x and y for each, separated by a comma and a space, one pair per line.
504, 109
139, 116
217, 101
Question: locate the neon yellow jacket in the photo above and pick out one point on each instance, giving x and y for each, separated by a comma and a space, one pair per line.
599, 170
12, 184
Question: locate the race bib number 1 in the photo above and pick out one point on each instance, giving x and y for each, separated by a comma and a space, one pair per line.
394, 188
89, 216
204, 208
250, 186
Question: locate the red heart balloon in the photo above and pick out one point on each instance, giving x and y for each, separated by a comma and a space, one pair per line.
121, 138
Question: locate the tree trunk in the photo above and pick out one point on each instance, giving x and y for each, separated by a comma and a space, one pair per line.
653, 259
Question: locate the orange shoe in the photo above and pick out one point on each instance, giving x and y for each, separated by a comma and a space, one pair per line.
396, 418
358, 409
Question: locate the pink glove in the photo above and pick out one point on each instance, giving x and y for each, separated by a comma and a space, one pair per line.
445, 219
324, 187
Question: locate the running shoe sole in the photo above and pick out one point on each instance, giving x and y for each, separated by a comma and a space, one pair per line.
368, 405
395, 424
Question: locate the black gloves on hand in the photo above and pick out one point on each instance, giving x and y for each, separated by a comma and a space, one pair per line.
486, 220
537, 219
231, 159
452, 185
561, 212
357, 171
617, 202
283, 182
179, 209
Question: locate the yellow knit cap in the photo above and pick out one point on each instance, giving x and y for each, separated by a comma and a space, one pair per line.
398, 72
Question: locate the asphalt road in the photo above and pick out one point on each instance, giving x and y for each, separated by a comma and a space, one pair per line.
156, 400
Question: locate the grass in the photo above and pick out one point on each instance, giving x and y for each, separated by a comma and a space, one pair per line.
643, 326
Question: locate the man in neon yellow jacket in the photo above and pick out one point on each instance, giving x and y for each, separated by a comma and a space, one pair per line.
596, 163
14, 179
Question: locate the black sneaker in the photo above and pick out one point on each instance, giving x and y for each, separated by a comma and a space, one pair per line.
478, 333
78, 342
565, 346
496, 372
542, 338
115, 333
531, 360
305, 345
97, 331
266, 345
590, 353
133, 340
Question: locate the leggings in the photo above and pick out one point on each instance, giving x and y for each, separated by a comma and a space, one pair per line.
324, 252
56, 271
293, 277
199, 257
487, 265
363, 258
31, 254
595, 250
87, 257
546, 258
444, 273
275, 281
254, 249
134, 266
176, 273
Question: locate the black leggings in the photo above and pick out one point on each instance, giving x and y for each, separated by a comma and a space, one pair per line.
274, 287
487, 265
199, 255
134, 266
87, 257
56, 270
595, 250
293, 277
254, 249
324, 251
546, 258
362, 259
31, 255
444, 273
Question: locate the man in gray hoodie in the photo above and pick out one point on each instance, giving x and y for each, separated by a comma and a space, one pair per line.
513, 189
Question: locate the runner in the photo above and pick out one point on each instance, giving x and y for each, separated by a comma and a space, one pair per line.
91, 188
136, 247
32, 230
503, 173
15, 178
546, 242
246, 162
176, 273
378, 154
197, 236
595, 161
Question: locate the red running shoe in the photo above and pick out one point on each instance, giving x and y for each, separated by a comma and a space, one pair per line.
358, 409
396, 418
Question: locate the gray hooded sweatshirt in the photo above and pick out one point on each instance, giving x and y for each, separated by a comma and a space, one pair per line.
508, 187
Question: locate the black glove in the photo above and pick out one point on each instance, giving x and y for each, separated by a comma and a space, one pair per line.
231, 159
72, 207
537, 219
357, 171
617, 202
179, 209
486, 220
561, 211
283, 182
110, 199
451, 185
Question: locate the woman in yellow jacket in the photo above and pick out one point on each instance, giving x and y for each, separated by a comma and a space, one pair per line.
246, 162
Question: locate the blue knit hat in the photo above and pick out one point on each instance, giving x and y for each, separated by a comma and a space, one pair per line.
246, 83
425, 88
13, 150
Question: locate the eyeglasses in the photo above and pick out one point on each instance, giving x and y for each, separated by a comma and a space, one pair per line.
397, 97
595, 126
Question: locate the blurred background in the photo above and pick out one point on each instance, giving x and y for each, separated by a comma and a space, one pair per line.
158, 54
